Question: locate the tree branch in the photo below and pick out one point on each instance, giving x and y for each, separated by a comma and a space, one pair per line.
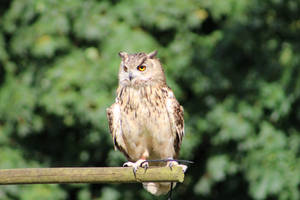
90, 175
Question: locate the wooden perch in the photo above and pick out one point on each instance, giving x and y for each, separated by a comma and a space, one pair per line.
90, 175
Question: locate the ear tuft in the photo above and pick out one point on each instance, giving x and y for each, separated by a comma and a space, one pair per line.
123, 54
152, 54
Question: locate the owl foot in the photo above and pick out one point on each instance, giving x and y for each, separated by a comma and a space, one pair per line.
136, 165
173, 163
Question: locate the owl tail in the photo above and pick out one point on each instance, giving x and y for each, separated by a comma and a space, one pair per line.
158, 188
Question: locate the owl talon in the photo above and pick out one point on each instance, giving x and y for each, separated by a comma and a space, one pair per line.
144, 165
171, 164
184, 167
133, 165
128, 164
134, 169
136, 165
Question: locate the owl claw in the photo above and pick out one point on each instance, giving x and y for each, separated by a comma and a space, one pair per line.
171, 164
184, 167
144, 164
128, 164
135, 165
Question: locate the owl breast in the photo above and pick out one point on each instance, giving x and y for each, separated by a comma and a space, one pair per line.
145, 123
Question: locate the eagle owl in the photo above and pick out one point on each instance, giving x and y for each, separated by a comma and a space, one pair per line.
146, 120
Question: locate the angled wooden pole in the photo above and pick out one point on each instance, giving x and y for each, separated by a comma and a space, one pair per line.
90, 175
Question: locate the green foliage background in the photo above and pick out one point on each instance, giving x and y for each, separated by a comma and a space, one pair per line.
233, 65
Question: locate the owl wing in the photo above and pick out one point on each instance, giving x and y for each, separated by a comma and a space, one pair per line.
175, 112
114, 121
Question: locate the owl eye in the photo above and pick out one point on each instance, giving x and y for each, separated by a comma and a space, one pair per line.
141, 68
125, 68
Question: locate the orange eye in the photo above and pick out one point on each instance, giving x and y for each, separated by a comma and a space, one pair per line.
141, 68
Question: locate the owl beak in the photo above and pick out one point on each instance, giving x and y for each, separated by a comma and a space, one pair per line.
130, 76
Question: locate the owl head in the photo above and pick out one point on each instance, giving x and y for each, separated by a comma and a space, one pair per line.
140, 69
